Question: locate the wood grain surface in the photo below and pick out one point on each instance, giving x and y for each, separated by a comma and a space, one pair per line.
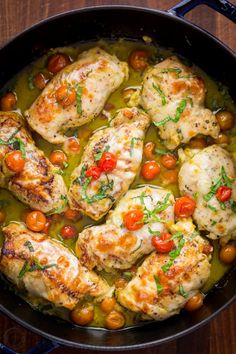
218, 336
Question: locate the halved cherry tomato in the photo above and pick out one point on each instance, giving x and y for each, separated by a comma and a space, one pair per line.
56, 62
94, 172
108, 162
15, 161
168, 161
133, 220
184, 207
73, 144
138, 60
58, 158
149, 150
65, 96
223, 193
163, 243
35, 220
72, 215
150, 170
68, 231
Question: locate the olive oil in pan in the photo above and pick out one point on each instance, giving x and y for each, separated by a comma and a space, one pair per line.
217, 97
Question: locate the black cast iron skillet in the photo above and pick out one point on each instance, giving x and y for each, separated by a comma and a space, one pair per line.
113, 22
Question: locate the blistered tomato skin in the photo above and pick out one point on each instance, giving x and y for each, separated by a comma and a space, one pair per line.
36, 221
224, 193
108, 162
184, 207
133, 220
57, 62
68, 232
163, 243
150, 170
14, 161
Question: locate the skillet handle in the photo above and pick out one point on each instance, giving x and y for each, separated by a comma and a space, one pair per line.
223, 6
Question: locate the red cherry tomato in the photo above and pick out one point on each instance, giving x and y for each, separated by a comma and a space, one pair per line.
150, 170
184, 207
223, 193
68, 232
133, 220
14, 161
94, 172
163, 243
108, 162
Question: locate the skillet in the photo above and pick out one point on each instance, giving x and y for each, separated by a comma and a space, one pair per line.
169, 30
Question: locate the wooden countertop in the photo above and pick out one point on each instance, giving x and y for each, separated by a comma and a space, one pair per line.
218, 336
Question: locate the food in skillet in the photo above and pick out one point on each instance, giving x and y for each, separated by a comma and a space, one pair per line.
109, 163
25, 170
209, 177
47, 269
130, 243
174, 96
166, 281
76, 94
127, 234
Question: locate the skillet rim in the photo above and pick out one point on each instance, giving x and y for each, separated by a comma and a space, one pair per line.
70, 343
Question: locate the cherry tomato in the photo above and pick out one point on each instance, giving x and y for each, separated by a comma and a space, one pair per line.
56, 62
94, 172
225, 120
3, 215
15, 161
138, 60
40, 81
228, 254
184, 207
65, 96
168, 161
150, 170
73, 144
149, 150
58, 158
223, 193
68, 232
163, 243
35, 220
222, 139
108, 162
47, 225
108, 304
72, 215
8, 101
133, 220
82, 316
114, 320
194, 303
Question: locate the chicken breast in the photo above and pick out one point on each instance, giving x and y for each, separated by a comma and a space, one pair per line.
112, 245
174, 96
46, 269
37, 185
201, 177
165, 282
124, 139
76, 94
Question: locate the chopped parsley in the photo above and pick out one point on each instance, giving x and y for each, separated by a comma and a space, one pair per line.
161, 93
179, 111
150, 215
183, 292
29, 245
101, 194
158, 284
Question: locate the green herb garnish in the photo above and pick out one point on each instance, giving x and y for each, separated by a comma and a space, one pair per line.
161, 93
101, 194
158, 284
59, 209
173, 254
79, 99
172, 70
211, 207
98, 155
133, 140
224, 180
35, 266
127, 275
183, 292
17, 143
179, 111
150, 215
161, 151
29, 245
81, 178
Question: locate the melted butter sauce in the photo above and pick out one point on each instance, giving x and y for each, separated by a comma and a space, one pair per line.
217, 97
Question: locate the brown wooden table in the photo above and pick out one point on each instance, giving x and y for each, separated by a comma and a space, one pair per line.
218, 336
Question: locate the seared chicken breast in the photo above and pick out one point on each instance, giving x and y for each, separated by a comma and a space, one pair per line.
165, 282
174, 96
37, 184
94, 194
207, 176
112, 245
46, 269
76, 94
